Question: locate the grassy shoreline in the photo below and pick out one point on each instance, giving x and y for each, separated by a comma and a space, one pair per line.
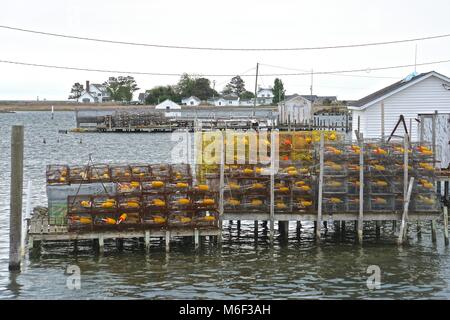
4, 108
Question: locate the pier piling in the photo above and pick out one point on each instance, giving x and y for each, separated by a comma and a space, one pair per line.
433, 231
15, 217
167, 238
446, 225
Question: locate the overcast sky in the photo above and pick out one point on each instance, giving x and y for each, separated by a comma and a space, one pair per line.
231, 23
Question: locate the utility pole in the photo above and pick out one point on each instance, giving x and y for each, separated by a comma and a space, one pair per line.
312, 99
256, 90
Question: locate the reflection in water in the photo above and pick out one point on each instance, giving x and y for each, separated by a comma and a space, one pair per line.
241, 268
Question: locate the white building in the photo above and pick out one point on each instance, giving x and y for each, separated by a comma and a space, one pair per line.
295, 109
416, 94
169, 105
227, 101
191, 101
94, 93
265, 96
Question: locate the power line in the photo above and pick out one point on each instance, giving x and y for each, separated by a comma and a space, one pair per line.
221, 75
166, 46
340, 75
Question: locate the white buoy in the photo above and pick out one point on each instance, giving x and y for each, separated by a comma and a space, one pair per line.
53, 110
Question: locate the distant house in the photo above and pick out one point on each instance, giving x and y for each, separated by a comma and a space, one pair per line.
295, 109
265, 96
191, 101
94, 93
416, 94
142, 96
169, 105
321, 100
227, 101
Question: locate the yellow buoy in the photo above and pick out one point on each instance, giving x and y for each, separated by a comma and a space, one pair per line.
183, 201
159, 219
256, 202
158, 203
203, 187
208, 201
157, 184
85, 204
182, 185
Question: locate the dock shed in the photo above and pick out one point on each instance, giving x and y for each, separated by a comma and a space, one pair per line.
377, 114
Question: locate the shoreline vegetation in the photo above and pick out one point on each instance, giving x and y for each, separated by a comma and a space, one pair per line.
6, 107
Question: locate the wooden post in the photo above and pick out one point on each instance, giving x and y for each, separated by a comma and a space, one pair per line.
221, 186
319, 208
403, 225
147, 240
119, 244
256, 229
196, 238
283, 228
272, 185
377, 229
167, 238
15, 217
419, 230
101, 243
433, 231
361, 189
446, 225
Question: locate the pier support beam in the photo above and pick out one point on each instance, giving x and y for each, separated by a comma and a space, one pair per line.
15, 216
119, 244
147, 240
256, 229
419, 230
433, 231
446, 226
101, 244
377, 229
167, 238
283, 229
196, 238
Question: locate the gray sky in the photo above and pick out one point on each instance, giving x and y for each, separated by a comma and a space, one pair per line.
231, 23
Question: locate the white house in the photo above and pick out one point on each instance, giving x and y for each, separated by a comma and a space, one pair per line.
227, 101
191, 101
94, 93
295, 109
265, 96
169, 105
416, 94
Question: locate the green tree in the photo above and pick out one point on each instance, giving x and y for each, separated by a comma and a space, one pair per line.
160, 93
121, 88
247, 95
202, 89
194, 86
76, 91
235, 86
185, 86
278, 91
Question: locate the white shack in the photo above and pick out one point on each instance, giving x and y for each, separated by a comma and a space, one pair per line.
295, 109
416, 94
169, 105
191, 101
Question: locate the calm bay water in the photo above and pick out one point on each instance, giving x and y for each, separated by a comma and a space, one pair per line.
240, 269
